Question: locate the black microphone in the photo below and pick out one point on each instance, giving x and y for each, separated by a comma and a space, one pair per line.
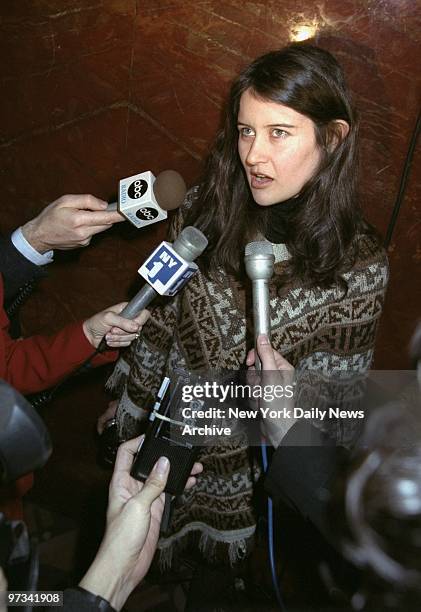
164, 437
25, 444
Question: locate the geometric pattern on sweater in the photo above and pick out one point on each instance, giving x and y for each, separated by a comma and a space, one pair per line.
205, 327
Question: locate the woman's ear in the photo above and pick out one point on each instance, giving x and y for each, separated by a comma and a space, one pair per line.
337, 132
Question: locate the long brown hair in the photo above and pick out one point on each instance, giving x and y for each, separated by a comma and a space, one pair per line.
322, 228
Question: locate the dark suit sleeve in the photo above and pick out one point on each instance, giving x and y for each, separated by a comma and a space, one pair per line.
302, 471
80, 600
16, 269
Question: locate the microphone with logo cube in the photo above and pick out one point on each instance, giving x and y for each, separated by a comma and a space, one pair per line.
144, 199
166, 271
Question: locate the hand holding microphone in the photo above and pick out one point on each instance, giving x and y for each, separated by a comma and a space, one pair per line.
259, 261
276, 371
118, 331
134, 515
70, 221
166, 270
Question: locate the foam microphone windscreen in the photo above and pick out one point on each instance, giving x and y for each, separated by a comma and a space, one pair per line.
169, 189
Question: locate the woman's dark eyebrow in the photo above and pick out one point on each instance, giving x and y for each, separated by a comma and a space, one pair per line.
286, 125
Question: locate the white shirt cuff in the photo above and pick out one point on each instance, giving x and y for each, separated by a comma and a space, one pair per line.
28, 251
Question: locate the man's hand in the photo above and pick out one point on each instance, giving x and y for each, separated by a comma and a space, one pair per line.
133, 520
69, 223
118, 331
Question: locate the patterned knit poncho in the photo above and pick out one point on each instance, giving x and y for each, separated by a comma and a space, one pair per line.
205, 328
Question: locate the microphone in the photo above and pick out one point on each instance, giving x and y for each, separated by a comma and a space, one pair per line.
167, 269
25, 444
259, 261
164, 436
144, 199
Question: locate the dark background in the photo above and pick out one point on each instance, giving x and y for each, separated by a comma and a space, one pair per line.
96, 91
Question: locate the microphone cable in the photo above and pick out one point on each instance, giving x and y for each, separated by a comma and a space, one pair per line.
38, 400
271, 545
403, 182
22, 296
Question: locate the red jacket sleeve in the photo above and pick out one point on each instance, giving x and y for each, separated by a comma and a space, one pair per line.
36, 363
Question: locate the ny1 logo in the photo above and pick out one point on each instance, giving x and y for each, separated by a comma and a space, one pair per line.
162, 265
137, 189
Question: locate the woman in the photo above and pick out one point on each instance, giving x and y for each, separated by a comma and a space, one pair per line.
283, 167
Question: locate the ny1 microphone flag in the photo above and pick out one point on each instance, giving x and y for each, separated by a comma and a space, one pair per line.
166, 271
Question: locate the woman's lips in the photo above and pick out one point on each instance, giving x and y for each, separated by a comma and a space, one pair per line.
260, 181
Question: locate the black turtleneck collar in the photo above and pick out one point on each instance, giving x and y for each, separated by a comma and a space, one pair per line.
279, 218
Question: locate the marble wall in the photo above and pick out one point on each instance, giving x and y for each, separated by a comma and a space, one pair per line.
95, 91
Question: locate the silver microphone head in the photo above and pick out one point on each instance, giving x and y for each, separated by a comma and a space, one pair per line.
190, 243
259, 260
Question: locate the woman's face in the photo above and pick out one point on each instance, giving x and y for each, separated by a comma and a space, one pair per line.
277, 147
